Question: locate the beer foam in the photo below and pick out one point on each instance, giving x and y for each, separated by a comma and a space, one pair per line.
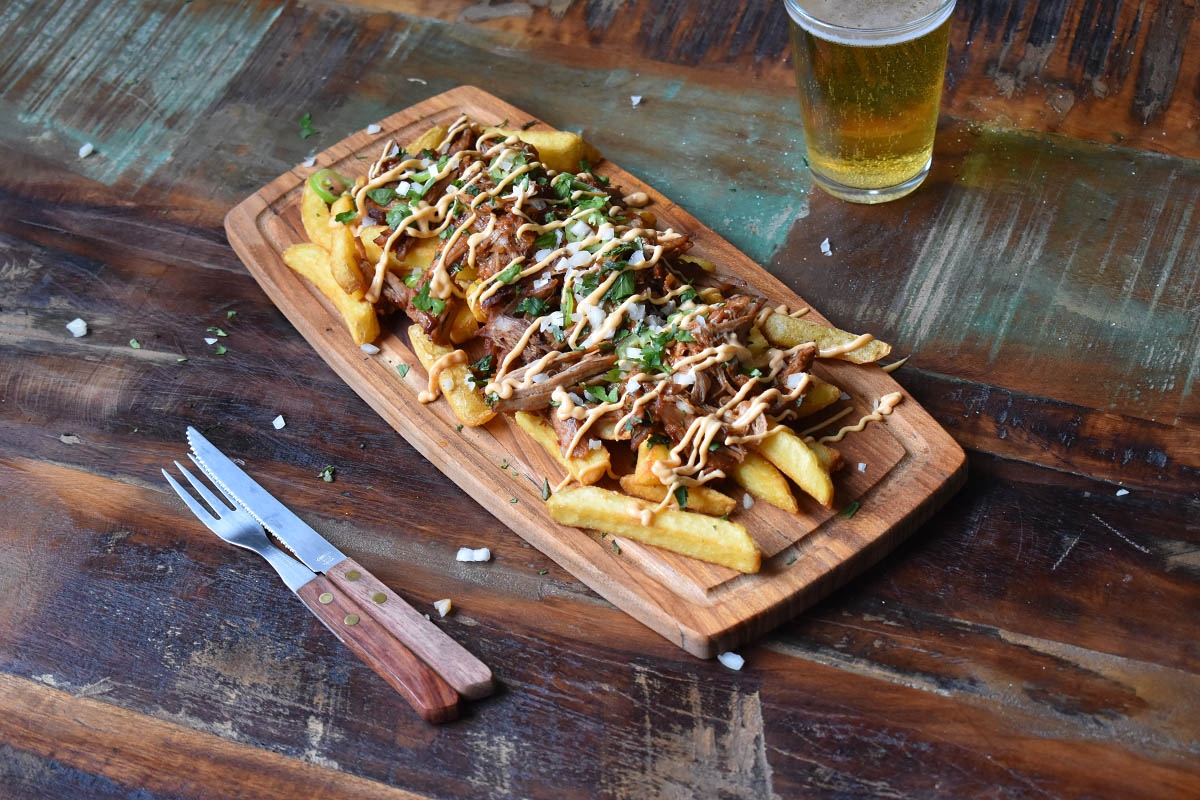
869, 23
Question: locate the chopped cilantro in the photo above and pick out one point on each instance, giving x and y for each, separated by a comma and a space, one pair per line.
383, 195
402, 369
327, 473
135, 344
545, 488
345, 217
430, 305
533, 306
852, 509
306, 128
220, 350
546, 240
230, 314
622, 287
510, 273
600, 395
681, 496
397, 214
215, 331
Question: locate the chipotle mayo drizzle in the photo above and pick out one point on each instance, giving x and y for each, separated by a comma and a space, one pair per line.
687, 462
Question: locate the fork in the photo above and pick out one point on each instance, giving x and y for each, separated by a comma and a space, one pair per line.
426, 691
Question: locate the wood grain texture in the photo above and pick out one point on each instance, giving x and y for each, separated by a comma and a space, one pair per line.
913, 466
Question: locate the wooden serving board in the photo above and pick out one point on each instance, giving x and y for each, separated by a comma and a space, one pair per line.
898, 471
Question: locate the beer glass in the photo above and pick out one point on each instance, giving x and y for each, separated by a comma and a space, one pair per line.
870, 77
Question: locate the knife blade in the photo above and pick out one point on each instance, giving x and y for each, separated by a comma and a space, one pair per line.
469, 676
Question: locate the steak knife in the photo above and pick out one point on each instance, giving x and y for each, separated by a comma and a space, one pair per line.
469, 676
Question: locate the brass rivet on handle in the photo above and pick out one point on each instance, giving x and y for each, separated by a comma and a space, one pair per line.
353, 575
379, 597
325, 597
351, 619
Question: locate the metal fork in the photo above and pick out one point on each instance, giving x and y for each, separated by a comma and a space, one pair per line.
427, 692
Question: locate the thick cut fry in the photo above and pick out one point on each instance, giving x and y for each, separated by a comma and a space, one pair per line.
711, 539
819, 394
586, 469
558, 150
798, 461
764, 481
314, 213
312, 261
647, 455
418, 257
784, 331
343, 254
830, 458
428, 140
467, 404
701, 499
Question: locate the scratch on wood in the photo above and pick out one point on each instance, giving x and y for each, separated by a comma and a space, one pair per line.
1122, 536
1067, 552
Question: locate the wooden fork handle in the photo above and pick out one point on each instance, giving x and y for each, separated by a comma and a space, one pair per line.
469, 676
426, 691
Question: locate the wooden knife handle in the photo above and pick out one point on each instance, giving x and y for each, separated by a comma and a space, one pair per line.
432, 697
469, 676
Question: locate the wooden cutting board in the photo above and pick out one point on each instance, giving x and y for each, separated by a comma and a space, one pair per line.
898, 471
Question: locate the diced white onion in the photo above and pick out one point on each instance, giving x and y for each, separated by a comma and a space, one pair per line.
684, 379
310, 161
77, 327
634, 353
731, 660
576, 399
595, 315
636, 312
633, 385
465, 554
793, 381
542, 255
542, 282
278, 422
825, 249
747, 500
1122, 492
369, 348
862, 467
635, 99
87, 150
403, 187
539, 377
443, 607
593, 444
374, 129
481, 554
637, 257
606, 232
580, 229
580, 259
683, 407
209, 340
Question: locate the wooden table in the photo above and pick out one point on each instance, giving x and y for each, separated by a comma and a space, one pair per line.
1037, 637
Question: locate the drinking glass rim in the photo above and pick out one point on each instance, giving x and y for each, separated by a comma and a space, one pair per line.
867, 36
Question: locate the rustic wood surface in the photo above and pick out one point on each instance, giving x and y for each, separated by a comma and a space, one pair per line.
1037, 637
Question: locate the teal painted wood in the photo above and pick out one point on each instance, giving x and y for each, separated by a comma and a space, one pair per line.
133, 80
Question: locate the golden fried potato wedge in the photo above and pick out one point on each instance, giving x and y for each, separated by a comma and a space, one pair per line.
312, 261
343, 253
784, 331
429, 140
418, 257
711, 539
561, 151
701, 499
450, 376
798, 461
314, 213
764, 481
830, 458
819, 394
586, 469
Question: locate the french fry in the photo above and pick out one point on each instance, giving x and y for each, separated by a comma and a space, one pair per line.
314, 213
764, 481
418, 257
784, 331
312, 262
586, 469
343, 254
467, 404
427, 140
647, 454
711, 539
463, 324
830, 458
819, 394
558, 150
798, 461
701, 499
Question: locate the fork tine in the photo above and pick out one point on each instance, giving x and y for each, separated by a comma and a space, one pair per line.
230, 499
200, 511
216, 505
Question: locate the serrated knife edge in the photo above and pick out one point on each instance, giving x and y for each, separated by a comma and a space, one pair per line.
205, 452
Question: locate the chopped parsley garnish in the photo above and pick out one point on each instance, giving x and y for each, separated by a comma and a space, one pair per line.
510, 273
135, 344
430, 305
681, 496
622, 287
546, 240
402, 369
306, 128
600, 395
533, 306
397, 214
383, 195
215, 331
545, 488
345, 217
327, 473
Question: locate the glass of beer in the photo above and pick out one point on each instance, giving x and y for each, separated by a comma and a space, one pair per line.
870, 77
